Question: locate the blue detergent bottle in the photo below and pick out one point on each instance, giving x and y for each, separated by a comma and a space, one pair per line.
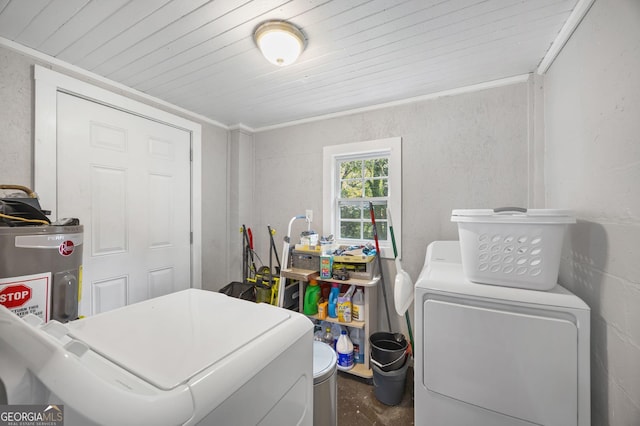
333, 300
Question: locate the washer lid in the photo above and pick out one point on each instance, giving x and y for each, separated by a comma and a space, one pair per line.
324, 361
169, 339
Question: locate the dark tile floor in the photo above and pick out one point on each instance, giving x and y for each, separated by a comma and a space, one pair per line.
358, 405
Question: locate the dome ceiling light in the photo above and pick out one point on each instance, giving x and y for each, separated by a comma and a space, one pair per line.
280, 42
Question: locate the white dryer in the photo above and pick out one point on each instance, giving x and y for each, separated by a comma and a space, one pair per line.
488, 355
192, 357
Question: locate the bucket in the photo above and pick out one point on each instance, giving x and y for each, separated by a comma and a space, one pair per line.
388, 350
388, 386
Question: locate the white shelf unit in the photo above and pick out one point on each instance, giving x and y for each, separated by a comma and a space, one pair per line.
369, 324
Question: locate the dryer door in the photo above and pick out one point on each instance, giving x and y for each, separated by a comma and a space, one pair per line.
509, 359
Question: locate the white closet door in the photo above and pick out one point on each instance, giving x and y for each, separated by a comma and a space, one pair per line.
127, 179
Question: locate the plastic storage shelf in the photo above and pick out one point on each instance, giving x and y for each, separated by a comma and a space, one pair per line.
369, 324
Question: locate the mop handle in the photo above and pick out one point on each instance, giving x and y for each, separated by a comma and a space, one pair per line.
375, 237
375, 230
393, 237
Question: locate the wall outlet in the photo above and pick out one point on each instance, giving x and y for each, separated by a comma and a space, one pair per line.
309, 215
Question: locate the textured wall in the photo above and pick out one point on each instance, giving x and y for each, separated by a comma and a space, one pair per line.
16, 155
215, 254
16, 119
240, 204
463, 151
592, 111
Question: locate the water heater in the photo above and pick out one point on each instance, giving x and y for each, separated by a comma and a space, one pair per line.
41, 270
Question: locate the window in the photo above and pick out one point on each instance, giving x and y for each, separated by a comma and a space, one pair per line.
356, 177
361, 181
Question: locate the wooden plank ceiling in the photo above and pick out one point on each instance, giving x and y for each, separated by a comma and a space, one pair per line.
200, 55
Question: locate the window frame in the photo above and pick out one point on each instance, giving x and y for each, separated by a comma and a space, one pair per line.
391, 147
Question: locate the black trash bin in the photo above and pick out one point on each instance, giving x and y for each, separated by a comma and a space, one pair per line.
240, 290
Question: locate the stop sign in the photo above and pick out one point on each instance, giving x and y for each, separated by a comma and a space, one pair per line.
14, 296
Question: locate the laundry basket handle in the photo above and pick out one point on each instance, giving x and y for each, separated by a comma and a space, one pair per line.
510, 210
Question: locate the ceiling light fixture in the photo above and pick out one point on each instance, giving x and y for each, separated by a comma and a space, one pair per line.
280, 42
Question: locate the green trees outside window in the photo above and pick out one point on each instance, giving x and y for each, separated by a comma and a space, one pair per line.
360, 181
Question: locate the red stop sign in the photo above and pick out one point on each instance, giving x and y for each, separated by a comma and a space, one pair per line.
14, 296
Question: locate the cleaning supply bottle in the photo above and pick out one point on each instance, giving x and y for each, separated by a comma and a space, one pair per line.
345, 305
311, 297
344, 349
358, 345
322, 309
357, 308
336, 330
327, 337
333, 300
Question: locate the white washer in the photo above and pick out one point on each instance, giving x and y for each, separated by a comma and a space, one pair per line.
495, 356
192, 357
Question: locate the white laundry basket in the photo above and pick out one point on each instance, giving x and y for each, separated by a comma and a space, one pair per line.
512, 247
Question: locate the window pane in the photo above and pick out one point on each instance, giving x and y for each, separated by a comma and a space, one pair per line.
351, 169
349, 211
382, 230
376, 188
351, 189
378, 167
380, 226
368, 231
368, 171
379, 211
350, 230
